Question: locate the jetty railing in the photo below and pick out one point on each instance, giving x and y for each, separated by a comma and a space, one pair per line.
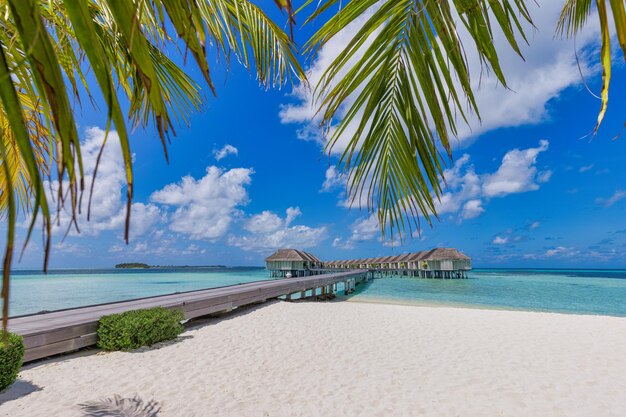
62, 331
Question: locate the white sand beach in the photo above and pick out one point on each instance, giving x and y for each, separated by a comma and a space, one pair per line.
350, 359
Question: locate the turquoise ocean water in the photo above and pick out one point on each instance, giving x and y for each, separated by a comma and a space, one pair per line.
568, 291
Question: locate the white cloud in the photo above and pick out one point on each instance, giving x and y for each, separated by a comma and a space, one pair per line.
266, 222
608, 202
468, 191
333, 179
305, 111
586, 168
534, 225
205, 207
144, 217
108, 201
472, 209
220, 154
269, 231
343, 244
549, 67
544, 176
560, 252
73, 248
292, 214
365, 228
462, 184
193, 249
517, 173
499, 240
117, 248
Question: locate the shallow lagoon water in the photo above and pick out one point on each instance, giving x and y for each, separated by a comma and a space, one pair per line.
32, 291
567, 291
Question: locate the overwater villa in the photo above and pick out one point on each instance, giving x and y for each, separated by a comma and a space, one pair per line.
289, 263
434, 263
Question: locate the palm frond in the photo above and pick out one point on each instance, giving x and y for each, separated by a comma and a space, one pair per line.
408, 85
48, 46
573, 18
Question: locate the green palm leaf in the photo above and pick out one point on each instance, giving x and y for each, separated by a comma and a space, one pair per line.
574, 16
47, 47
410, 80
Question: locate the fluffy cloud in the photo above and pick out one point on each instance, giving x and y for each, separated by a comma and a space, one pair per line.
108, 201
608, 202
560, 252
220, 154
517, 173
305, 111
333, 179
193, 249
269, 231
292, 213
471, 209
266, 222
463, 185
363, 229
499, 240
549, 67
467, 192
205, 208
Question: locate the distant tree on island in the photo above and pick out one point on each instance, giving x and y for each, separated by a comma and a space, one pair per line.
131, 265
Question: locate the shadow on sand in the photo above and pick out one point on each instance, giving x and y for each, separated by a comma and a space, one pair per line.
19, 389
120, 407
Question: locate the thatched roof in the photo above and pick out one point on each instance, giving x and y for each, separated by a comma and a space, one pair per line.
291, 255
445, 254
415, 256
437, 254
404, 257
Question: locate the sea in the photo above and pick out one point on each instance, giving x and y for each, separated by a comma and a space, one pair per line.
573, 291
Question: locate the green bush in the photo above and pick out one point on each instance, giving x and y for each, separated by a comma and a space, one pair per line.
133, 329
11, 357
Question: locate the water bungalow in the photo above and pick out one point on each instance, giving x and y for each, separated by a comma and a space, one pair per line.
287, 263
435, 263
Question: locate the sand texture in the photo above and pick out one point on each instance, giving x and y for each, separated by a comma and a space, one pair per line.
347, 359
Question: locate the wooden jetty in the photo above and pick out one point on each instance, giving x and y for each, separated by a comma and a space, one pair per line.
62, 331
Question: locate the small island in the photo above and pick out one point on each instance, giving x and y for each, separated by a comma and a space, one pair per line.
132, 265
139, 265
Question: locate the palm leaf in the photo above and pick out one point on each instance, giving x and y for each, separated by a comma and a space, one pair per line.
574, 16
409, 84
47, 47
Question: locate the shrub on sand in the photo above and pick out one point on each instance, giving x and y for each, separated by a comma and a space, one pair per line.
137, 328
11, 358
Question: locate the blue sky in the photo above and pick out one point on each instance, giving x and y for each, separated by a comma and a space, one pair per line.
249, 175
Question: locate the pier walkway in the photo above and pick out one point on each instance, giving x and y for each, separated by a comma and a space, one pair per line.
47, 334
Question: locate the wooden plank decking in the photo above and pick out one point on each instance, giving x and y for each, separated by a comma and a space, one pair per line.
63, 331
